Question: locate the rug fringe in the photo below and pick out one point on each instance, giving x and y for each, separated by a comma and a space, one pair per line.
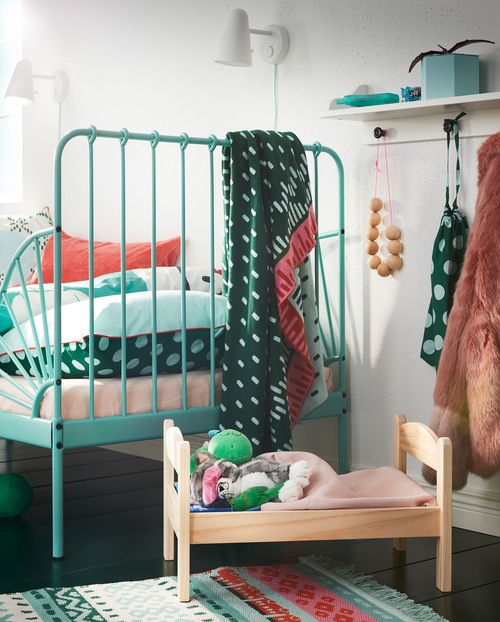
399, 601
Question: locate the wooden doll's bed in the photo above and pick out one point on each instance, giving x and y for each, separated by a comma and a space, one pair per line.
149, 189
410, 438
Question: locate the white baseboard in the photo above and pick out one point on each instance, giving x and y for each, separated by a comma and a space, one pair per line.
477, 510
473, 509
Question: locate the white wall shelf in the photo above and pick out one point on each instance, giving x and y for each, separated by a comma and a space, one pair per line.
423, 120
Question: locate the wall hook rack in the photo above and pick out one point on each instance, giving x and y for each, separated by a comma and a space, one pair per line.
449, 124
378, 132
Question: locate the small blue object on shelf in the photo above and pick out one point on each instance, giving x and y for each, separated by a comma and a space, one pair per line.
372, 99
411, 93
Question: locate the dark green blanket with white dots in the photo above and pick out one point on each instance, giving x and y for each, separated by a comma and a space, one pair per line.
273, 369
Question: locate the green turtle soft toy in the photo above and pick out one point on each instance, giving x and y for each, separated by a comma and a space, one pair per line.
231, 445
16, 495
228, 445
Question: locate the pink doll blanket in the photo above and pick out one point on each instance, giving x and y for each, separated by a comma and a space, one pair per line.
383, 487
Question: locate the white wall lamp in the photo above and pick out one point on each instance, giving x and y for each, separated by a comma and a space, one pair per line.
234, 48
20, 89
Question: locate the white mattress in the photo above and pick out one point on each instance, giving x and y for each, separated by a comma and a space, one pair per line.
108, 395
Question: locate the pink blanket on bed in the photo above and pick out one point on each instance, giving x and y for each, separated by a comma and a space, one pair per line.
384, 487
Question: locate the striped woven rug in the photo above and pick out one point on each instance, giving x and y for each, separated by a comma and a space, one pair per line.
313, 589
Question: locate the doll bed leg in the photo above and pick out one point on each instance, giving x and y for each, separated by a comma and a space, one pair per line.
399, 544
443, 563
168, 482
444, 498
183, 566
183, 521
176, 504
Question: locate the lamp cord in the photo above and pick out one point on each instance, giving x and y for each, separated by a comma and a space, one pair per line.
59, 122
275, 97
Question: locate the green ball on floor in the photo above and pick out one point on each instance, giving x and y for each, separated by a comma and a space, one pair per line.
16, 495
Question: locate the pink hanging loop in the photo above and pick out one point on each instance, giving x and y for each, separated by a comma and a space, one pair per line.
388, 182
377, 169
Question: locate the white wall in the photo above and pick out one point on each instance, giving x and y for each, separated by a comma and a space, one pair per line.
147, 64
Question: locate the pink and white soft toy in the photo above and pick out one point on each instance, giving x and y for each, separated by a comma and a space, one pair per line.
215, 482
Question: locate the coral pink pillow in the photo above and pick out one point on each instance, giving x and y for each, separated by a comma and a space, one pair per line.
75, 257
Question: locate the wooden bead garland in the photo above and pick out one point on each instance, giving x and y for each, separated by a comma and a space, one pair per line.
392, 233
394, 246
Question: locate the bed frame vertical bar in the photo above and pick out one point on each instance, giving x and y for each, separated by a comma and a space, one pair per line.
123, 263
211, 148
154, 306
183, 146
57, 424
91, 225
343, 431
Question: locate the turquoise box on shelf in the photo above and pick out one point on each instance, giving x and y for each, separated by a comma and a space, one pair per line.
448, 75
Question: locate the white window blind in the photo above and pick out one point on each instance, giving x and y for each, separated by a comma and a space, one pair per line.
11, 128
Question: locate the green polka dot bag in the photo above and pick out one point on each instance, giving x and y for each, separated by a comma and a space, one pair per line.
447, 259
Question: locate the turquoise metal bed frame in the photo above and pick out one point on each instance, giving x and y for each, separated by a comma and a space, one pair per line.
57, 434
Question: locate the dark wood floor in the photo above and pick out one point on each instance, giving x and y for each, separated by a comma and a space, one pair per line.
114, 533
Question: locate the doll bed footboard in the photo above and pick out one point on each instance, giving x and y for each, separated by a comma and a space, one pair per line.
398, 523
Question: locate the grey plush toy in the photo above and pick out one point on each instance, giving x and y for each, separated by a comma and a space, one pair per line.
215, 482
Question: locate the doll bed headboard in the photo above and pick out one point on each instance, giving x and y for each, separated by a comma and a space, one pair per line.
174, 195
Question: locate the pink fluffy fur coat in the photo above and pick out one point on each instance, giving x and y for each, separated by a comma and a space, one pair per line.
467, 391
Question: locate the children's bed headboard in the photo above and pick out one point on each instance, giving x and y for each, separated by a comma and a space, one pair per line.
333, 317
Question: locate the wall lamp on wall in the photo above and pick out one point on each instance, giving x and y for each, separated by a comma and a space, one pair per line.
234, 48
20, 89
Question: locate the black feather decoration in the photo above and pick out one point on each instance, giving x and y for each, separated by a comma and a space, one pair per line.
443, 50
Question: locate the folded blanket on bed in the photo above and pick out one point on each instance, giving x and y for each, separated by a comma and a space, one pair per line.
273, 363
383, 487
